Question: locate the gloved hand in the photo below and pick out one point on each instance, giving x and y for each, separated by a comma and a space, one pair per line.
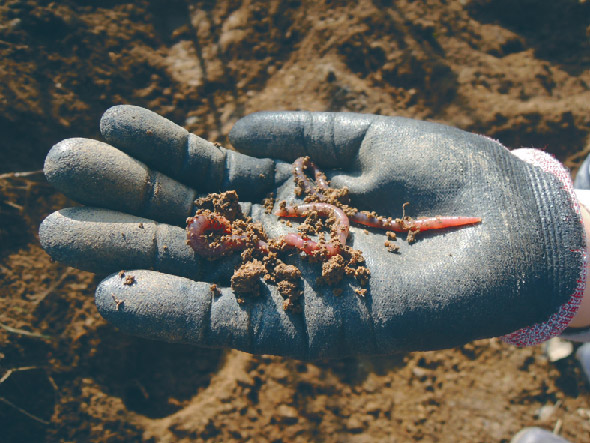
514, 269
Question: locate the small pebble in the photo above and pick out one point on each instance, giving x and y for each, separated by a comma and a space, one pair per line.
287, 414
545, 412
419, 372
558, 349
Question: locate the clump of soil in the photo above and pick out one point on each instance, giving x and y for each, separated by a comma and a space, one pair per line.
245, 279
255, 263
128, 279
288, 281
391, 237
269, 203
225, 204
333, 270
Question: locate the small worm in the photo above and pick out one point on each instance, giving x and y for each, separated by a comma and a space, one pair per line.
299, 167
339, 229
419, 224
200, 224
398, 225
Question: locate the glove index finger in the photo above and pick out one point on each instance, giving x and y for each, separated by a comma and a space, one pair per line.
189, 159
331, 139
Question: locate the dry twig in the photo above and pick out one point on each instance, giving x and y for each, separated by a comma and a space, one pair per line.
26, 174
23, 332
53, 286
12, 405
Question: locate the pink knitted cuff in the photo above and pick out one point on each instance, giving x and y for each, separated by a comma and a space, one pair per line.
557, 322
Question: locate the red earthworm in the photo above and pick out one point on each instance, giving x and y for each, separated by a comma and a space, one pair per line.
299, 167
198, 225
339, 229
403, 224
407, 224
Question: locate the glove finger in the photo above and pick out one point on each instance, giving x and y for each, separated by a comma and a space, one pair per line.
171, 149
170, 308
330, 139
103, 241
97, 174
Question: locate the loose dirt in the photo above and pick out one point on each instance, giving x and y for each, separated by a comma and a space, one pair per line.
515, 70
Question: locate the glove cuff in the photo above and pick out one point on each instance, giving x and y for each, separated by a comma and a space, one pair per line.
558, 322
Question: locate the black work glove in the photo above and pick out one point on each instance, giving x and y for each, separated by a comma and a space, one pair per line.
513, 269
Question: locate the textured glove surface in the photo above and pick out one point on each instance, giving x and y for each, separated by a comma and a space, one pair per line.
513, 269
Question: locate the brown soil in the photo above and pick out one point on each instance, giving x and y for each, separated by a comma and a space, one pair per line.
516, 70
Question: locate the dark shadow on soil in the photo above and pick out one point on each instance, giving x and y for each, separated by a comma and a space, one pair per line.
354, 371
534, 130
570, 378
152, 378
556, 30
27, 402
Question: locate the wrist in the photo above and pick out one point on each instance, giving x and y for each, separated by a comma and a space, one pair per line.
572, 239
582, 317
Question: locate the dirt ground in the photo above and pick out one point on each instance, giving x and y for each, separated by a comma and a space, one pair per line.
516, 70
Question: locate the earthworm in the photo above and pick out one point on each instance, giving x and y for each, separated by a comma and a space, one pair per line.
407, 224
202, 223
299, 167
404, 224
339, 229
